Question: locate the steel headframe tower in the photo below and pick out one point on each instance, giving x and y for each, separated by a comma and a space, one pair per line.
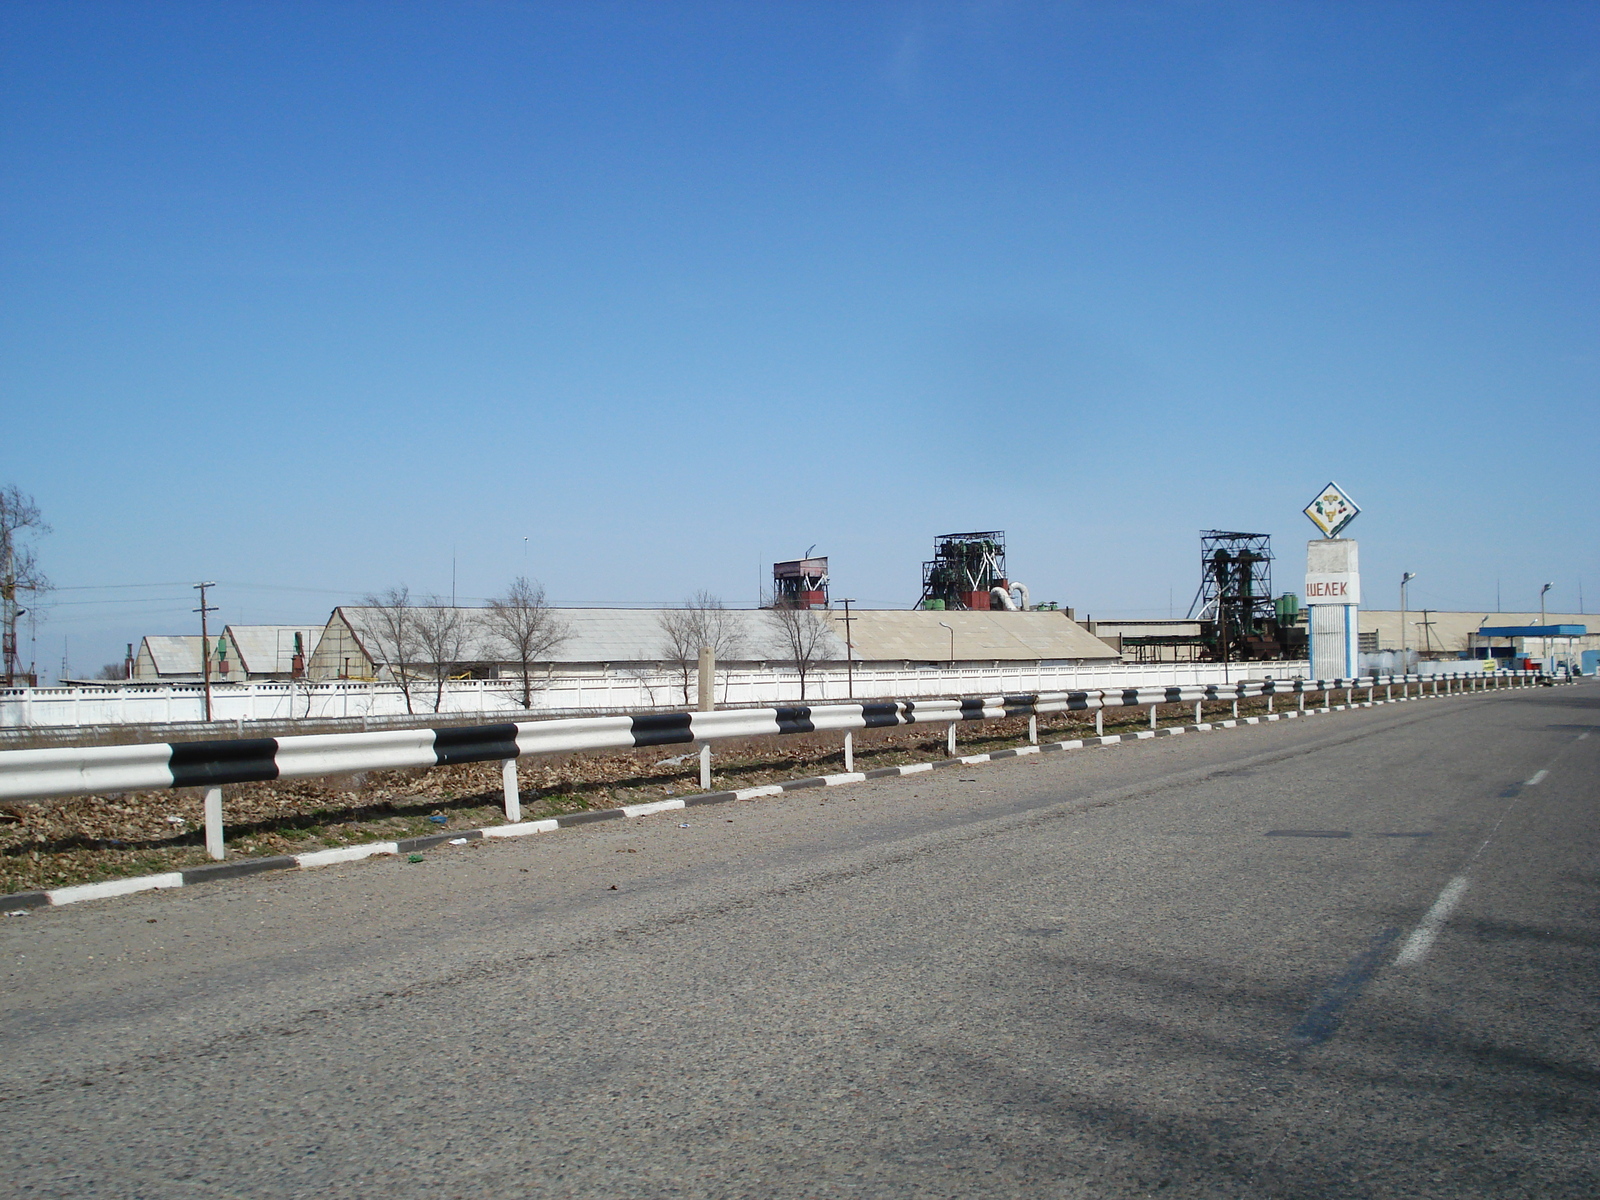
963, 570
1235, 590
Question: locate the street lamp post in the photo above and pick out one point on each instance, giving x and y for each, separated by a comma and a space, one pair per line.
1404, 579
1544, 643
952, 643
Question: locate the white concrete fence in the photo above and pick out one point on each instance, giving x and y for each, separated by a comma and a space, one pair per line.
167, 704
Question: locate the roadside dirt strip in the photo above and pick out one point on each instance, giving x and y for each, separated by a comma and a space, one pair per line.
20, 903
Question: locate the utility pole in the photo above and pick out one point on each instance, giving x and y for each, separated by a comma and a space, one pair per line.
849, 648
10, 611
1427, 629
205, 640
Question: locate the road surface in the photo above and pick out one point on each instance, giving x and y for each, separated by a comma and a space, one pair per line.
1352, 955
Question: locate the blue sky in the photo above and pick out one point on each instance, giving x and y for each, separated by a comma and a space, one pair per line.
309, 298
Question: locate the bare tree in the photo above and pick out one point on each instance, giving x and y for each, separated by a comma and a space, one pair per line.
702, 620
526, 627
113, 670
19, 572
799, 638
442, 636
394, 622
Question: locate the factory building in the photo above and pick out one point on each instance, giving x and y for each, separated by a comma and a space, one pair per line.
1445, 635
267, 651
168, 658
239, 654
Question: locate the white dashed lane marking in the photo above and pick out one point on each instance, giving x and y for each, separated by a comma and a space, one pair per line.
1416, 946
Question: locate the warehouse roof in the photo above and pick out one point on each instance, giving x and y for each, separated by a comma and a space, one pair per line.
1532, 631
269, 649
616, 635
917, 635
174, 654
593, 635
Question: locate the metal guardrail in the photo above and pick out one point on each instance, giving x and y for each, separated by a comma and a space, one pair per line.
89, 770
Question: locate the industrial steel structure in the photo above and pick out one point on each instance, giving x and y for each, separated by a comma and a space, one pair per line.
800, 583
964, 570
1238, 616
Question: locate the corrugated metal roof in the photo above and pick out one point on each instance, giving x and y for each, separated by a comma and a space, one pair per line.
916, 635
174, 654
613, 635
619, 635
269, 649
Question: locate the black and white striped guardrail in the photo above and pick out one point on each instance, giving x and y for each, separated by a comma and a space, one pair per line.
21, 903
78, 771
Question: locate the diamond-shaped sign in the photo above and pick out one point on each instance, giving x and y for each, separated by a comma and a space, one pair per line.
1332, 510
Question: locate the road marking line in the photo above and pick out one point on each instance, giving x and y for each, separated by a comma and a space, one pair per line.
1416, 946
1538, 777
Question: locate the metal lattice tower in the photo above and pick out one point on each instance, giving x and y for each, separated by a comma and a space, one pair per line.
1235, 587
964, 567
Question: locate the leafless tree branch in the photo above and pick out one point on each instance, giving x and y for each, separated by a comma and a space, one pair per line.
799, 638
442, 637
395, 621
526, 627
701, 620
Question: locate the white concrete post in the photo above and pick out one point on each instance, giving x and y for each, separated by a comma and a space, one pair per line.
950, 739
214, 846
1236, 708
1270, 698
708, 703
1033, 729
1152, 716
508, 781
1197, 712
1301, 697
708, 679
1099, 722
849, 751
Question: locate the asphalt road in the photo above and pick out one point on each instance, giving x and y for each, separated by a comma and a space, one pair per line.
1348, 956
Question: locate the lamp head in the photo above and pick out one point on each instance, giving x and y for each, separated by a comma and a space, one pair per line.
1408, 577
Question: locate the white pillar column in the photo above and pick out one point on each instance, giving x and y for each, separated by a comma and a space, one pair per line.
508, 783
1333, 593
213, 807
